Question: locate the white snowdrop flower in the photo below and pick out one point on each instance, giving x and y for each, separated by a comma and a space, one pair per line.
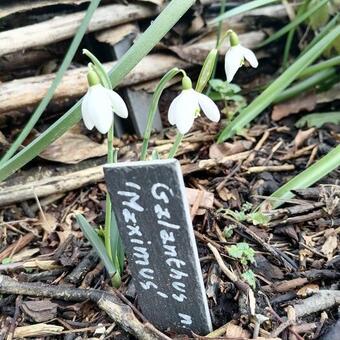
235, 56
186, 107
99, 105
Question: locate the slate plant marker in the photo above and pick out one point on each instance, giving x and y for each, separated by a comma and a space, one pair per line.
149, 201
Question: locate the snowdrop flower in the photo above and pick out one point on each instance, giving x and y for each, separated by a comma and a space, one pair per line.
235, 56
99, 105
186, 107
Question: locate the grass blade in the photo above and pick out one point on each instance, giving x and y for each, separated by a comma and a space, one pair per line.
305, 84
63, 67
241, 9
96, 243
306, 178
297, 21
160, 26
273, 90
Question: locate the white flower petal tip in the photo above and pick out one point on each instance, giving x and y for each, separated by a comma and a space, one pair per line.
234, 59
184, 107
98, 107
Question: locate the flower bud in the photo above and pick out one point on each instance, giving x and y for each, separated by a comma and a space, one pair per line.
233, 38
92, 76
207, 70
186, 83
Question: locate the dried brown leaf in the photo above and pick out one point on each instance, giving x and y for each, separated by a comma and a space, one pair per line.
308, 290
48, 222
306, 101
73, 148
227, 149
331, 244
302, 136
40, 311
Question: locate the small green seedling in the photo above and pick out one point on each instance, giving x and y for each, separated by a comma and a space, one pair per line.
222, 90
249, 277
243, 252
6, 260
228, 232
245, 214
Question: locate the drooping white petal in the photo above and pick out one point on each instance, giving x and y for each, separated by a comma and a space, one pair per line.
86, 114
182, 110
250, 56
117, 103
99, 108
209, 108
233, 61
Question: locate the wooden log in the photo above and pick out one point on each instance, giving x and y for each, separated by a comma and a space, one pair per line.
13, 7
65, 26
25, 92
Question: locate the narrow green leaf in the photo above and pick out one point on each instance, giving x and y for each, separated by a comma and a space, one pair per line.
273, 90
305, 84
160, 26
241, 9
335, 61
318, 119
306, 178
297, 21
63, 67
96, 243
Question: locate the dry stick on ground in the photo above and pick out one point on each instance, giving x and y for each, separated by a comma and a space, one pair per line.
119, 312
324, 299
242, 286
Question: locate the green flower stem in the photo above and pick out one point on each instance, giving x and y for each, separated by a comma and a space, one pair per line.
153, 107
108, 207
176, 144
306, 84
99, 68
290, 37
320, 66
160, 26
218, 38
306, 178
274, 89
63, 67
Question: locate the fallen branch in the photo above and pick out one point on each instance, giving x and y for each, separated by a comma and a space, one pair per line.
65, 26
323, 300
109, 303
20, 93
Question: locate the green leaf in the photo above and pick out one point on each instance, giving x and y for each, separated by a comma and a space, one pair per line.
273, 90
241, 9
96, 243
142, 46
243, 252
228, 232
6, 260
250, 278
294, 23
117, 248
306, 178
63, 67
258, 218
318, 119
